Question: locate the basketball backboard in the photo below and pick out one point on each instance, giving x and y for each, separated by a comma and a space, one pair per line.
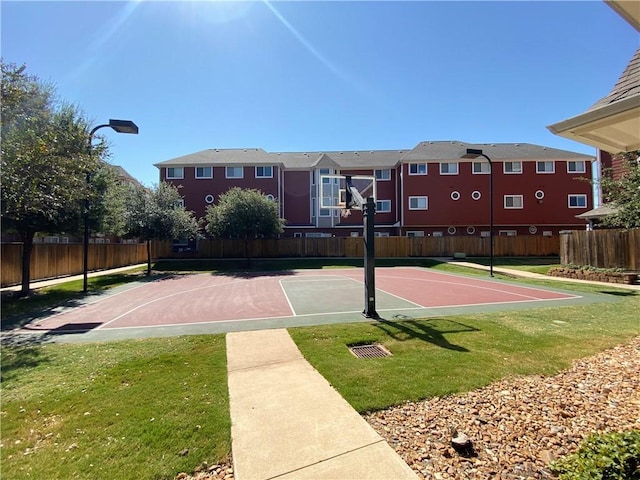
344, 192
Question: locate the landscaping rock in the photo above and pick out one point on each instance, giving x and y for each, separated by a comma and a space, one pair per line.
525, 422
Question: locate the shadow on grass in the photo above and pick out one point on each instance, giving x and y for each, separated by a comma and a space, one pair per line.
422, 330
21, 351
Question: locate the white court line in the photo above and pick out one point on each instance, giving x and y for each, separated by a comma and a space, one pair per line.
284, 292
539, 289
163, 298
481, 287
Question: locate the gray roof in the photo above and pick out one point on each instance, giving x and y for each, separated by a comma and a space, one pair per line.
367, 159
453, 150
628, 85
221, 156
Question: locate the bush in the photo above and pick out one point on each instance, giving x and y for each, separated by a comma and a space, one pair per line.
612, 456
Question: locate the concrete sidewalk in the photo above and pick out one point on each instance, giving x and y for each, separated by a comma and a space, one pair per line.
287, 422
524, 274
55, 281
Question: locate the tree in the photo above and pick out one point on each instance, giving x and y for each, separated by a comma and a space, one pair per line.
157, 214
44, 161
623, 193
244, 214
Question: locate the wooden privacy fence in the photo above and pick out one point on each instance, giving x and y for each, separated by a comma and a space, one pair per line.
354, 247
59, 260
602, 248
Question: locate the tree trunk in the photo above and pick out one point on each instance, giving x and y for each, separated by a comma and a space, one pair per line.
27, 248
148, 257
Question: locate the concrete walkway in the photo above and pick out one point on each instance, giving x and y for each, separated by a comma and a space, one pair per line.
525, 274
55, 281
287, 422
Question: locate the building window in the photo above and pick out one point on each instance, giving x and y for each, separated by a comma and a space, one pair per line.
578, 201
577, 166
204, 172
383, 174
354, 234
415, 233
208, 198
455, 195
418, 203
297, 234
234, 172
264, 172
513, 201
507, 233
381, 234
179, 203
449, 168
383, 206
545, 167
476, 195
512, 167
174, 173
481, 168
417, 169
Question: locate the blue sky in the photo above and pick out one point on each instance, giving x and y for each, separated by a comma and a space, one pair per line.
320, 76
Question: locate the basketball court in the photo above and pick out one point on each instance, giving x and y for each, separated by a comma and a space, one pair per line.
216, 303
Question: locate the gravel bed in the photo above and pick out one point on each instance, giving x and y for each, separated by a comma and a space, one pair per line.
517, 426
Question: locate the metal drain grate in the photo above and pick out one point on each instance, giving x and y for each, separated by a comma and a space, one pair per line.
370, 351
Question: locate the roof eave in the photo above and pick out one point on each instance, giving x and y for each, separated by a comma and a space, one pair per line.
613, 128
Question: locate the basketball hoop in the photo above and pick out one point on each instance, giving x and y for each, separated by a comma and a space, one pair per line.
345, 212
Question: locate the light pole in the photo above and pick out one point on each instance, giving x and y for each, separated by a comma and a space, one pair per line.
120, 126
475, 153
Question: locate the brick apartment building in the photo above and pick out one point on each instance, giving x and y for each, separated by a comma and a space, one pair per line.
427, 190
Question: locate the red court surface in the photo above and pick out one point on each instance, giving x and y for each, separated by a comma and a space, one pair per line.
298, 297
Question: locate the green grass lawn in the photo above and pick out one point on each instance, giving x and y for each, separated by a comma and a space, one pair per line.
441, 356
114, 410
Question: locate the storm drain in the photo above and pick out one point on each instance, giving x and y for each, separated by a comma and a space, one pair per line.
369, 351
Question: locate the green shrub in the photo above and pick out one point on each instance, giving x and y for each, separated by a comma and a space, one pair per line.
612, 456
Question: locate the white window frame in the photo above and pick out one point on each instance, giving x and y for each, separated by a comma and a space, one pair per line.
576, 164
203, 175
233, 169
297, 234
577, 196
507, 233
417, 168
417, 198
415, 233
437, 234
381, 234
176, 175
379, 204
513, 197
511, 171
382, 175
545, 164
448, 167
263, 167
180, 203
485, 168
